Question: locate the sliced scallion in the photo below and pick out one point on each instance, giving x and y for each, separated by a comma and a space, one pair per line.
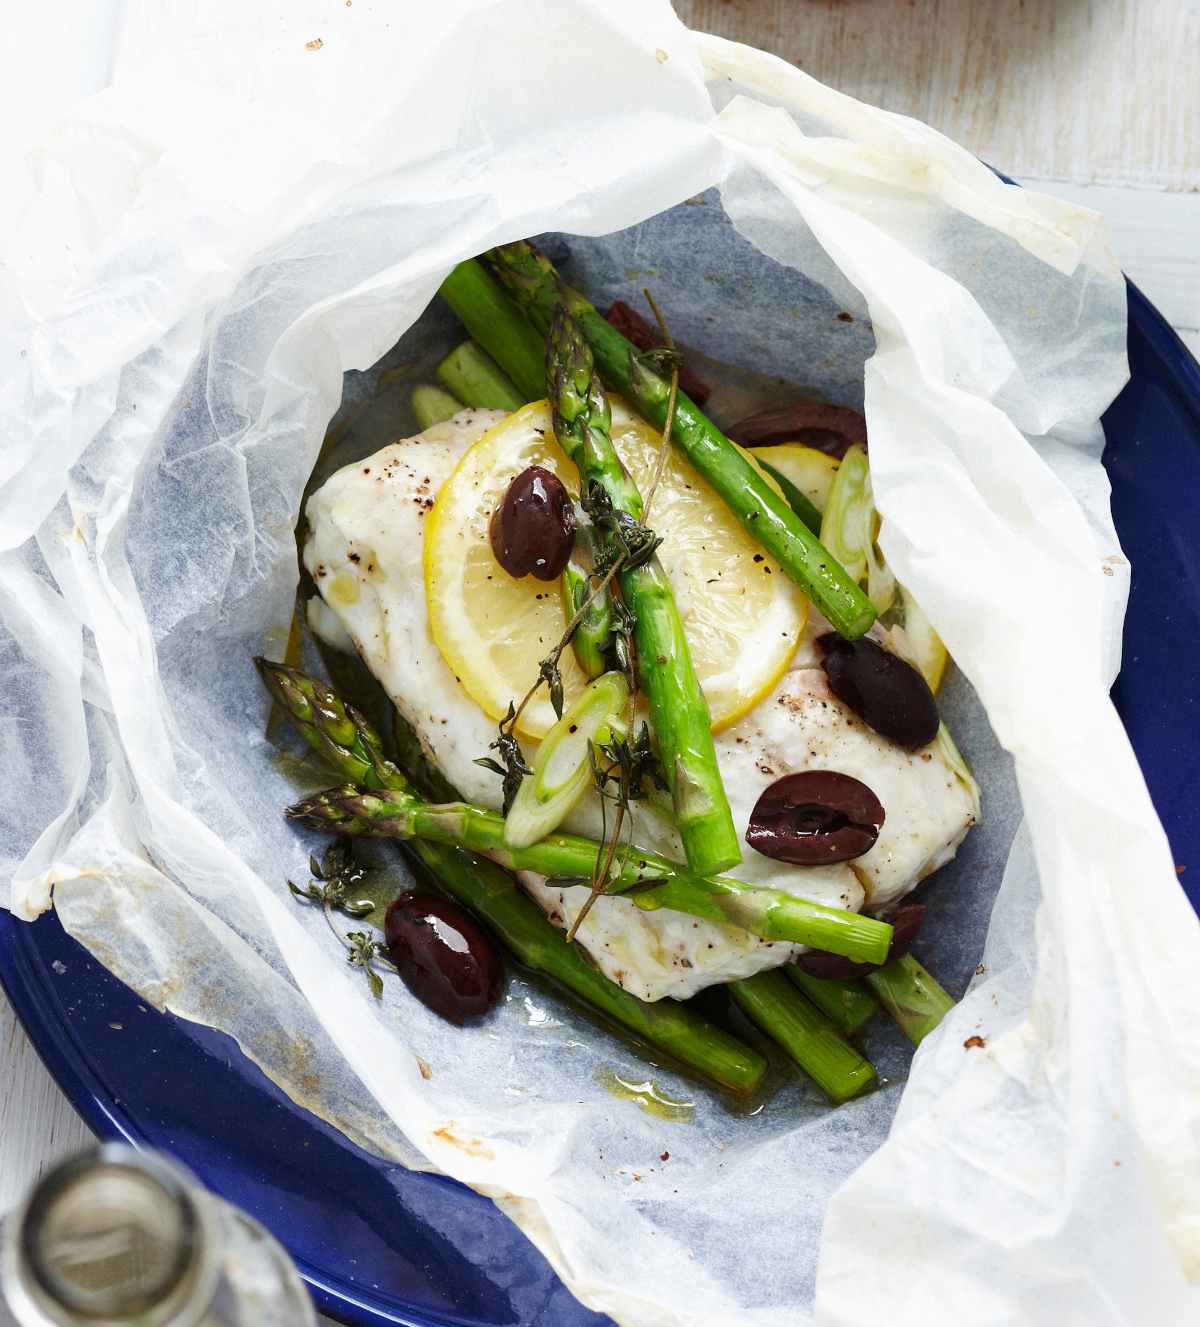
562, 768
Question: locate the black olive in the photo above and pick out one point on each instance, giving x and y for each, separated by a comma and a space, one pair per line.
905, 923
815, 817
885, 691
443, 957
828, 428
533, 529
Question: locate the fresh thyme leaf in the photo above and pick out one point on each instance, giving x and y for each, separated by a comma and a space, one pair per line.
511, 766
631, 544
363, 950
549, 674
662, 359
336, 874
621, 647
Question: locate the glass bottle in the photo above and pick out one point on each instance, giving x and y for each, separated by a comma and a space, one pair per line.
118, 1237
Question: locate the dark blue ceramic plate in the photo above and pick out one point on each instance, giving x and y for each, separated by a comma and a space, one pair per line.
378, 1244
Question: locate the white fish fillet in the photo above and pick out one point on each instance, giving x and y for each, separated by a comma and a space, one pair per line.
364, 551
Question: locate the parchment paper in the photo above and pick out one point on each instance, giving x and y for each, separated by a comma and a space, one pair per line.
265, 199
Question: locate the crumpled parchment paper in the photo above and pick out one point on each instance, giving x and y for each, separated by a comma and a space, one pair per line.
266, 198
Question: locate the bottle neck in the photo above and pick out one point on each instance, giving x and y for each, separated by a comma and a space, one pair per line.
113, 1238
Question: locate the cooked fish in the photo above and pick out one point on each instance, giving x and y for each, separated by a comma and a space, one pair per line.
364, 553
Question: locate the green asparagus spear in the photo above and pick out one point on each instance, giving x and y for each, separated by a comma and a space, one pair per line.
432, 404
497, 324
531, 279
592, 633
347, 742
771, 1001
848, 1003
475, 378
491, 893
912, 997
656, 882
679, 714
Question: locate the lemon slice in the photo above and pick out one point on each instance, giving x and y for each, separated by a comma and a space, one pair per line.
811, 471
742, 617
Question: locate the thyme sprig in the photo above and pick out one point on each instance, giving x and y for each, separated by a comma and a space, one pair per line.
632, 543
364, 951
511, 765
666, 357
333, 877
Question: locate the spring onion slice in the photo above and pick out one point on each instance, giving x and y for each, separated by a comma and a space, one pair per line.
562, 768
948, 749
847, 522
850, 524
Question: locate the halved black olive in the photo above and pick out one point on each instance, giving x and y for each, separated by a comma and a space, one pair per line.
828, 428
815, 817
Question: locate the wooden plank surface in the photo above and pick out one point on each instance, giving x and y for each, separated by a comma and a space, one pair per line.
37, 1124
1103, 91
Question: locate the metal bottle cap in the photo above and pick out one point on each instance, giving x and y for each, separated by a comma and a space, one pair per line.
109, 1238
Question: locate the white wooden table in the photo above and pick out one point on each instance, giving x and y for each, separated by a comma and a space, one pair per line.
1096, 100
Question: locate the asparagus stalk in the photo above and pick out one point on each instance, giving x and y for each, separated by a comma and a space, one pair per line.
491, 893
531, 279
848, 1003
497, 324
771, 1001
344, 738
656, 881
476, 379
592, 633
913, 998
678, 711
432, 404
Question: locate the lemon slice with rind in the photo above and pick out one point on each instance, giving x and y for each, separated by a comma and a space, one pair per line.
742, 617
811, 471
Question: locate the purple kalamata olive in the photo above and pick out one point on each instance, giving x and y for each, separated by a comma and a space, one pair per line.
827, 428
533, 528
443, 957
885, 691
815, 817
906, 923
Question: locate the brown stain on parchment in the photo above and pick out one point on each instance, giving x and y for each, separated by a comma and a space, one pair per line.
472, 1147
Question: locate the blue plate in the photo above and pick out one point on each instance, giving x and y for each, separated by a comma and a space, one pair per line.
379, 1244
